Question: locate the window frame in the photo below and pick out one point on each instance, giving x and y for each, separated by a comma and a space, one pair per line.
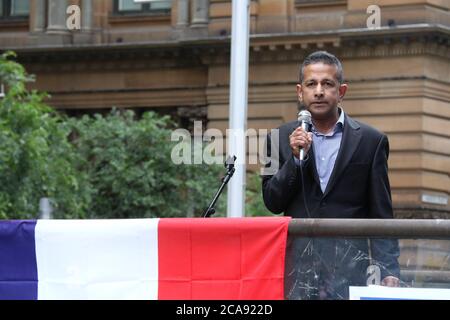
6, 14
146, 10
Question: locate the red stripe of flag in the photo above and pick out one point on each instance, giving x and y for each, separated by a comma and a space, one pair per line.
222, 258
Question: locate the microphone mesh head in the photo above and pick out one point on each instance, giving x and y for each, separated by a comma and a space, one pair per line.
304, 116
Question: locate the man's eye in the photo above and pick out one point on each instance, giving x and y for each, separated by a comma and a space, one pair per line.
309, 85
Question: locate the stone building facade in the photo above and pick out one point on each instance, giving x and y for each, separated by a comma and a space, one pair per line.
174, 56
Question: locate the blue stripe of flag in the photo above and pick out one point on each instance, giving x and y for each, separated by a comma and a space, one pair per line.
18, 268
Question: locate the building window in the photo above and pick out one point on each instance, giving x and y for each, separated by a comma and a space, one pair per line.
14, 9
133, 7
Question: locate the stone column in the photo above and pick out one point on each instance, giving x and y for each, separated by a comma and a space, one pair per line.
87, 15
57, 16
183, 13
37, 19
201, 12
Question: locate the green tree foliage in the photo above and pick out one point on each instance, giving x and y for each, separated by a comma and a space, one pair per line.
128, 168
35, 156
254, 203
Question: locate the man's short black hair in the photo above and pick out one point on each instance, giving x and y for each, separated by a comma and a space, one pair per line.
326, 58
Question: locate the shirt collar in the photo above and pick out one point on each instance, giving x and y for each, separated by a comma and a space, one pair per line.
341, 117
339, 126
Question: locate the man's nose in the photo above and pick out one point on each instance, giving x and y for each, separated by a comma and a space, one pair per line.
319, 91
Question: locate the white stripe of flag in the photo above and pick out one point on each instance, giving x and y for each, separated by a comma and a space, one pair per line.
97, 259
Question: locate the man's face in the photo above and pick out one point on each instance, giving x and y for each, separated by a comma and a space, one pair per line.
320, 90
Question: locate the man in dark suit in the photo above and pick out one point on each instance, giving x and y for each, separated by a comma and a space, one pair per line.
344, 175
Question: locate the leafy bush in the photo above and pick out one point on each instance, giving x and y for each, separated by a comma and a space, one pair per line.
254, 202
35, 156
129, 172
94, 167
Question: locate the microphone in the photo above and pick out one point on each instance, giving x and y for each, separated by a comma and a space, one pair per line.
304, 121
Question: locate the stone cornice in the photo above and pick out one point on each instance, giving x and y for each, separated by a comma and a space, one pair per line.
347, 43
257, 39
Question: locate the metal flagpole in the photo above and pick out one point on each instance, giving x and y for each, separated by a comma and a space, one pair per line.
238, 105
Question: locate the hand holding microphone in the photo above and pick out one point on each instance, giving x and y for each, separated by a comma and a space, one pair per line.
300, 139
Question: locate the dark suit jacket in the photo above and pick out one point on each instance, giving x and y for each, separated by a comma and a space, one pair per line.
358, 186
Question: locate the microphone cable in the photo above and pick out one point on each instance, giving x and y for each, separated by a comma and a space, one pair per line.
303, 189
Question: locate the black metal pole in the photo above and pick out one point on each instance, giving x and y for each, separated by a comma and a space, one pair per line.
229, 164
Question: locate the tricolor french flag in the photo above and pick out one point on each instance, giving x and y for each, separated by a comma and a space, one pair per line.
143, 259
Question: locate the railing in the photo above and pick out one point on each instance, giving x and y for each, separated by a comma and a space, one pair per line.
424, 249
371, 228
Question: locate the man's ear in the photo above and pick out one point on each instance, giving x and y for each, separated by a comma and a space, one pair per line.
342, 90
299, 93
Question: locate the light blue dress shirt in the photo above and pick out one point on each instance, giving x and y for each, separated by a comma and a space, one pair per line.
326, 148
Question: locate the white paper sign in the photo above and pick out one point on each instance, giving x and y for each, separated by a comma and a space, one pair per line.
389, 293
